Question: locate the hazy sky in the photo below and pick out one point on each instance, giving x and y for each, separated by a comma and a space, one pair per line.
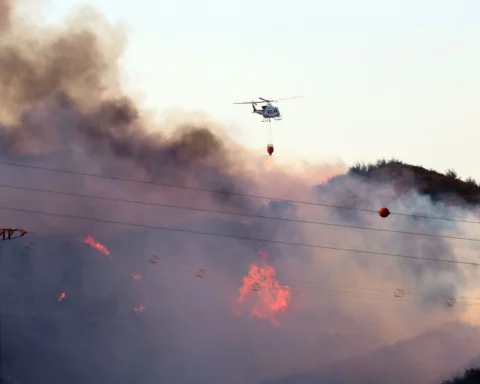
380, 78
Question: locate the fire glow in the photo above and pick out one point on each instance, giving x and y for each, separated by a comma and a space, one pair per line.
95, 244
141, 307
270, 297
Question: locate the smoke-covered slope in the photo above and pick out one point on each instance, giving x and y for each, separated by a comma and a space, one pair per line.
411, 361
447, 187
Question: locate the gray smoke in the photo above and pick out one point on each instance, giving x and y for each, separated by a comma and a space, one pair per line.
5, 11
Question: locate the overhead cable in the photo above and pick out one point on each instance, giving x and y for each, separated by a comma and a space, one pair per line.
224, 192
246, 238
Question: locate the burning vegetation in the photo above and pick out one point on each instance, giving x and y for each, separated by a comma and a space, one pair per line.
95, 244
268, 296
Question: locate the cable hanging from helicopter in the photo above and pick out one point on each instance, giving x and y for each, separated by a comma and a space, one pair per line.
268, 112
270, 139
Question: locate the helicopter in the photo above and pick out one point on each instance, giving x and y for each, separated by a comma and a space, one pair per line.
268, 111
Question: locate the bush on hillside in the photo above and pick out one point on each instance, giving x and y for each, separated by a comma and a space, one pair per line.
471, 376
447, 187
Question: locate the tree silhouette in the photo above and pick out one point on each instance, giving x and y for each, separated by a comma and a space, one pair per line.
471, 376
446, 187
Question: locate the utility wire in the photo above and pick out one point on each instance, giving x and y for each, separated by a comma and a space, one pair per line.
106, 198
309, 286
204, 233
341, 295
223, 192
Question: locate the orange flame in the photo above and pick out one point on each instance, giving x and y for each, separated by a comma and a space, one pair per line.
91, 241
271, 297
137, 276
62, 296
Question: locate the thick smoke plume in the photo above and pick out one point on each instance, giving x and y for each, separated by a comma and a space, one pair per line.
140, 313
5, 12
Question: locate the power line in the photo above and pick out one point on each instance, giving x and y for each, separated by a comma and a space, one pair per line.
191, 231
106, 198
343, 295
167, 185
302, 282
306, 285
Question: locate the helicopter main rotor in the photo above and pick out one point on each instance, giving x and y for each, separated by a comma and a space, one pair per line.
266, 101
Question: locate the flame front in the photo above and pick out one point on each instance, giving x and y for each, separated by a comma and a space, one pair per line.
270, 296
137, 276
62, 296
95, 244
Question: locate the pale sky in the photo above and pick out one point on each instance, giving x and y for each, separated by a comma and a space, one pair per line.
380, 78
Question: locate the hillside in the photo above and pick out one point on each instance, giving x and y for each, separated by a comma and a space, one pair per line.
404, 177
94, 336
452, 344
446, 187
